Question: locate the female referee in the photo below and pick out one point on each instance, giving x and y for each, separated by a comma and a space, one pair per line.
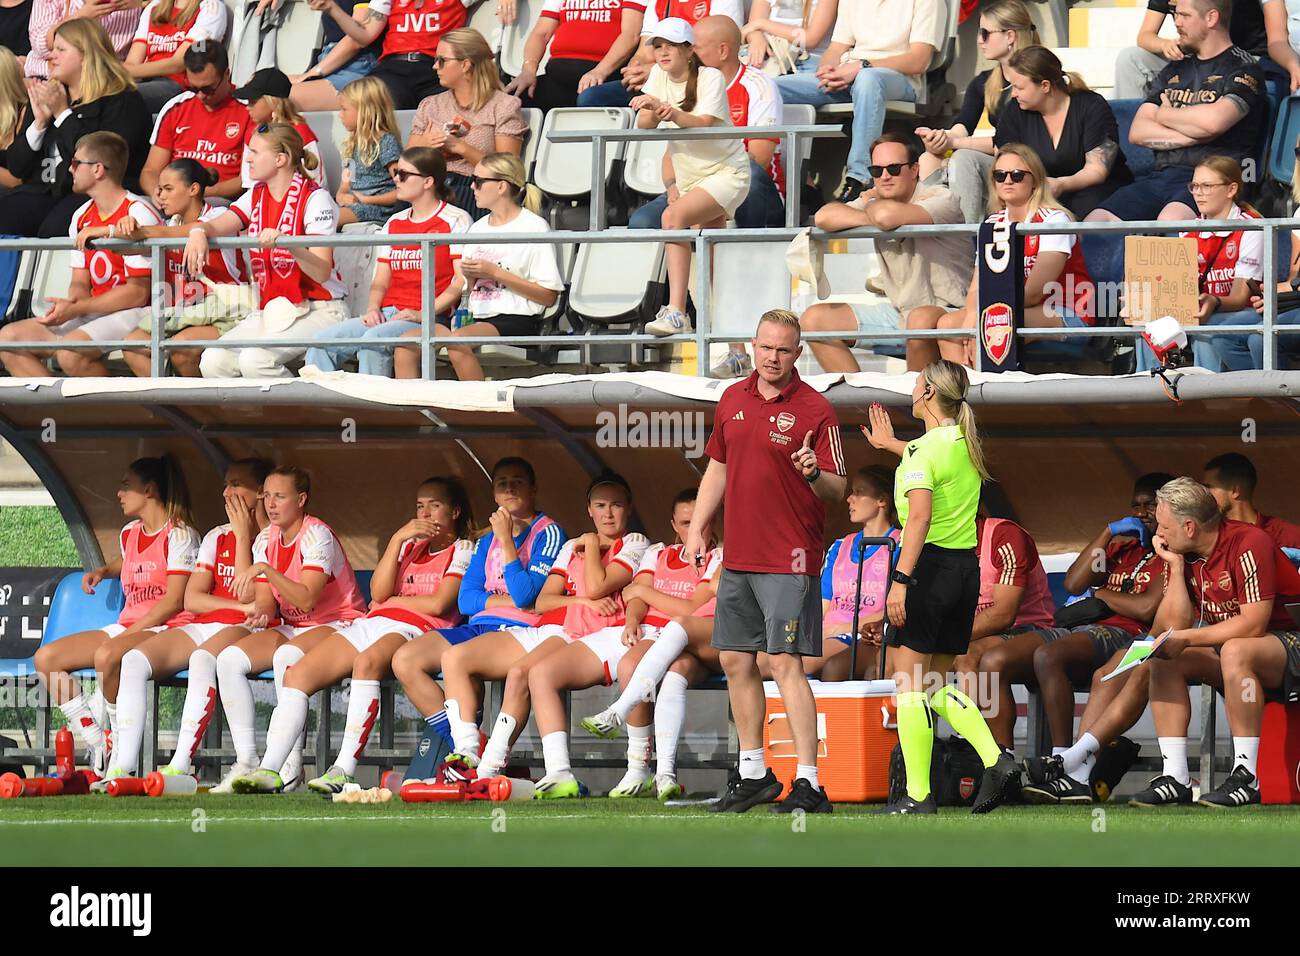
937, 581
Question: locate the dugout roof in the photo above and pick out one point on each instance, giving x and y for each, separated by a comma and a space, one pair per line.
1064, 449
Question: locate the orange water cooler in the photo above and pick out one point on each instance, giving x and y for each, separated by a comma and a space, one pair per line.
857, 728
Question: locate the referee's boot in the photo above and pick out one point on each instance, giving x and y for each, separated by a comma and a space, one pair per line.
804, 796
998, 782
906, 805
741, 794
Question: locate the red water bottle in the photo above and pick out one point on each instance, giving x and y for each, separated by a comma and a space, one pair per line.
65, 756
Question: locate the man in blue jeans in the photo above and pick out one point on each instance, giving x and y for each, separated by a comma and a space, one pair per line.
880, 51
754, 101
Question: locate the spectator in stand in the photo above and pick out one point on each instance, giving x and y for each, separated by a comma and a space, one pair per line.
370, 152
922, 275
108, 293
588, 41
167, 29
1005, 28
13, 112
89, 90
754, 101
620, 92
190, 316
267, 96
513, 284
410, 44
880, 51
1058, 289
1137, 67
206, 124
1211, 103
472, 118
15, 17
1282, 28
788, 33
341, 61
119, 18
300, 283
1229, 267
397, 291
1232, 479
710, 178
1071, 128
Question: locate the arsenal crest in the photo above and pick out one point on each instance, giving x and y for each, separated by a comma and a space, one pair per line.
785, 421
996, 328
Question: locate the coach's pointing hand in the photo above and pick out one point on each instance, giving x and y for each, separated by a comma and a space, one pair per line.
805, 459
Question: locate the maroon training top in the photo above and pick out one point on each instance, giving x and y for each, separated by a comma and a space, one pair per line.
773, 521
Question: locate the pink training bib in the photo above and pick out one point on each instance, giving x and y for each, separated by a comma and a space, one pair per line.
144, 574
844, 582
579, 621
675, 577
420, 574
341, 599
494, 573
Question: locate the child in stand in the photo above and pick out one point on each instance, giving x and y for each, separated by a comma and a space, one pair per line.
370, 153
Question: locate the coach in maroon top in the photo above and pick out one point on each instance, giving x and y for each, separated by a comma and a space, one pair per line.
776, 462
1226, 597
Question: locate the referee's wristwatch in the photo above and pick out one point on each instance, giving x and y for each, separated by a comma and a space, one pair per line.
898, 577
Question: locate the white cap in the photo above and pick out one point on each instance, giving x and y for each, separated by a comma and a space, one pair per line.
674, 30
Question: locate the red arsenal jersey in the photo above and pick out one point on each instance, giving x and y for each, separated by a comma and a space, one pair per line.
108, 270
416, 26
1245, 567
585, 29
1131, 569
774, 521
215, 137
405, 290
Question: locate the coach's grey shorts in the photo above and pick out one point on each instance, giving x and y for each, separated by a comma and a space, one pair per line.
772, 613
1106, 639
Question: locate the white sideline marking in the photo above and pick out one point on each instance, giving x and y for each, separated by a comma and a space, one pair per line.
214, 819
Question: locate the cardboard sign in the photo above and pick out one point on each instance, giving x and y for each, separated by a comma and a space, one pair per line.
1001, 296
1160, 278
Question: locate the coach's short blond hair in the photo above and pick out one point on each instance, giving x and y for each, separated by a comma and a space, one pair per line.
1190, 500
781, 317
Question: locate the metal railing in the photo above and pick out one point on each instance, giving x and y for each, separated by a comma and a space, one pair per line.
702, 240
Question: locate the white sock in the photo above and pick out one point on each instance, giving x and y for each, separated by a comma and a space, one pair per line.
498, 746
464, 733
650, 670
555, 753
200, 703
1084, 747
1246, 751
805, 772
670, 717
233, 668
1173, 750
638, 748
1083, 772
132, 678
285, 731
1057, 751
285, 656
82, 721
753, 765
363, 709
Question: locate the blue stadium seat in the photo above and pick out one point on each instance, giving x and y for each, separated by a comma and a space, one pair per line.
72, 611
1286, 130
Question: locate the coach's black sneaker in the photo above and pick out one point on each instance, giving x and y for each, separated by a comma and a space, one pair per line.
804, 796
1239, 790
741, 794
1113, 761
1041, 770
1063, 789
1163, 792
998, 781
906, 804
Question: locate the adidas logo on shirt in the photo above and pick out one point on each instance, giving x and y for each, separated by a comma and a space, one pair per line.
738, 417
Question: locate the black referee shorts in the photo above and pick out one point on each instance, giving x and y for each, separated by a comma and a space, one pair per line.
941, 605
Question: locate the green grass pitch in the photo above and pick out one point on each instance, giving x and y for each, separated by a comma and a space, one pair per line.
306, 830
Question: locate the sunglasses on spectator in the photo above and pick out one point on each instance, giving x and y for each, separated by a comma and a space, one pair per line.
207, 90
1015, 175
402, 175
893, 169
478, 181
438, 61
1197, 189
73, 163
985, 34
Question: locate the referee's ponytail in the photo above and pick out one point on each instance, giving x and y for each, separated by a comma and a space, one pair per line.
950, 387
